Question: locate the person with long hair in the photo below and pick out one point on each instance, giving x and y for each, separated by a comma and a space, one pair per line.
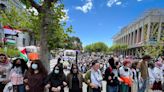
56, 80
35, 76
5, 67
75, 79
17, 74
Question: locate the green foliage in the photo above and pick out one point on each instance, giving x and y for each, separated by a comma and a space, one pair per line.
10, 52
153, 50
26, 19
118, 47
96, 47
73, 43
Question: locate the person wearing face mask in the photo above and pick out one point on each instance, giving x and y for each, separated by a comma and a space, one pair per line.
17, 73
75, 79
34, 78
56, 80
5, 67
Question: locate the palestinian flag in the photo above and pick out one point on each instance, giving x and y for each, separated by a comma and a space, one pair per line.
23, 54
8, 30
10, 41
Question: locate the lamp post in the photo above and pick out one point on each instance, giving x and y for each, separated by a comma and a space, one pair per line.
76, 57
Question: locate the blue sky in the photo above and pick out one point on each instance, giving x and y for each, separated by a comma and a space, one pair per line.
100, 20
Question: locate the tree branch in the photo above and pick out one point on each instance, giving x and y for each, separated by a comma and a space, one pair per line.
49, 2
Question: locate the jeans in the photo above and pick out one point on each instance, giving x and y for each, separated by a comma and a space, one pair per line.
96, 90
1, 87
124, 88
112, 88
144, 85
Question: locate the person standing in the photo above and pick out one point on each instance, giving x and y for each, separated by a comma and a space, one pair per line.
17, 74
143, 66
157, 73
135, 77
111, 76
93, 78
56, 80
125, 76
34, 78
75, 79
5, 67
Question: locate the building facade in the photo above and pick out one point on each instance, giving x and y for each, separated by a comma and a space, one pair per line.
148, 29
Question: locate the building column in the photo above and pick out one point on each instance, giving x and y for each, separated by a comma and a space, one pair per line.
126, 39
159, 30
137, 36
134, 34
148, 32
142, 34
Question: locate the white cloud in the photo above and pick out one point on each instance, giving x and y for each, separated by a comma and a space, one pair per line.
111, 2
66, 17
118, 3
139, 0
86, 7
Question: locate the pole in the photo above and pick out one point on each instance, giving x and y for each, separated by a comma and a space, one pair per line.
76, 57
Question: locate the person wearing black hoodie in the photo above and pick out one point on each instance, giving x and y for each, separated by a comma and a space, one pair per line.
56, 81
111, 76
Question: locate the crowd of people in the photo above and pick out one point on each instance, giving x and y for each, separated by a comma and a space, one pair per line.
121, 75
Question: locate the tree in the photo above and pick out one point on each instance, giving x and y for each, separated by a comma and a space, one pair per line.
117, 48
96, 47
153, 47
47, 24
73, 43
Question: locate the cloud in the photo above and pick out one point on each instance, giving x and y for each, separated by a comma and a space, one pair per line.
110, 3
118, 3
139, 0
65, 17
86, 7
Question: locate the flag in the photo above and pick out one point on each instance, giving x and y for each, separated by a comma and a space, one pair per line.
10, 31
10, 41
23, 54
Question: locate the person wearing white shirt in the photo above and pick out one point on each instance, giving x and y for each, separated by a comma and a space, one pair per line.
158, 76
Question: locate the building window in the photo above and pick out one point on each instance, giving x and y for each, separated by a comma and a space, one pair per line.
2, 7
24, 41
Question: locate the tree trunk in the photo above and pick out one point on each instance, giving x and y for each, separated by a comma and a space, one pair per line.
44, 51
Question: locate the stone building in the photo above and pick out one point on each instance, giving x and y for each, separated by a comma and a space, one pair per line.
148, 29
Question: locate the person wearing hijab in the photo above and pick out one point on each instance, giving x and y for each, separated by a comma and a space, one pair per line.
5, 67
56, 80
